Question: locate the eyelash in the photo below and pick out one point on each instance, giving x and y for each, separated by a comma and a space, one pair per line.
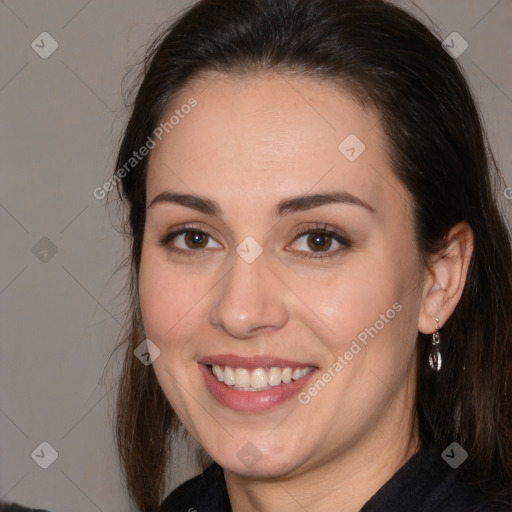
309, 230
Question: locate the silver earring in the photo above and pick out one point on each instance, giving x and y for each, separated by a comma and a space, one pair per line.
434, 358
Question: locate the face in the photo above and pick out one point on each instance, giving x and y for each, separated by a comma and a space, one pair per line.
279, 254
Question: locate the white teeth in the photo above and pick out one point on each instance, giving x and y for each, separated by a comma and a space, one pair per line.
274, 376
298, 373
259, 378
229, 375
286, 375
242, 378
218, 373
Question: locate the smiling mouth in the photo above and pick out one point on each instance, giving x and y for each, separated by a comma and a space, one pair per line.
257, 379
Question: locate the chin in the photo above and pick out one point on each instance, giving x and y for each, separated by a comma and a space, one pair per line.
250, 462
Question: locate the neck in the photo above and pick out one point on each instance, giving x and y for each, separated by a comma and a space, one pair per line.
344, 483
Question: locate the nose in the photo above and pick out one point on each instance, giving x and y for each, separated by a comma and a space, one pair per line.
250, 300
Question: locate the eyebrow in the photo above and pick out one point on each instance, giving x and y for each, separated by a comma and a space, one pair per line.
284, 207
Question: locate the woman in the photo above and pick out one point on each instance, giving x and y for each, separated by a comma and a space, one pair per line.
321, 277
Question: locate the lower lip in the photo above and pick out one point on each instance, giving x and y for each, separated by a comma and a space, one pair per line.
252, 401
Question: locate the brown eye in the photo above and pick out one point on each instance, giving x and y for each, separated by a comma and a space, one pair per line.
189, 241
196, 239
319, 242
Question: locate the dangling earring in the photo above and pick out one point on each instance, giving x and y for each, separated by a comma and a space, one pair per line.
435, 354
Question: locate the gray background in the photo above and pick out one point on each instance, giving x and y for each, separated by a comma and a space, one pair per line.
60, 314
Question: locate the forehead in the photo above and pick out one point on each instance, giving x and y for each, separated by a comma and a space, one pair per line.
266, 136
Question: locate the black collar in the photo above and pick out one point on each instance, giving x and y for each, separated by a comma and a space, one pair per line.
426, 483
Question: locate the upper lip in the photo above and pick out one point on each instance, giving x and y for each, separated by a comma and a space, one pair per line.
251, 362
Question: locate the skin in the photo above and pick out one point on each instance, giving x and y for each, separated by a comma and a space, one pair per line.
251, 142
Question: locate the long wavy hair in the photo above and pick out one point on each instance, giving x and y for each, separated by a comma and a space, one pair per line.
385, 58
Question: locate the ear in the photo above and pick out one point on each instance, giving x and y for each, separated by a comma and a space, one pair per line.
446, 275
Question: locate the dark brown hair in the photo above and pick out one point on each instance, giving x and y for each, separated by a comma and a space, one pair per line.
388, 59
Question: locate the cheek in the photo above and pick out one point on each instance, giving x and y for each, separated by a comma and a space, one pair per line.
167, 300
371, 317
353, 298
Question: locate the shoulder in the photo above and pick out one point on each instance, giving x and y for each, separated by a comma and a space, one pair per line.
206, 492
454, 491
459, 494
15, 507
427, 483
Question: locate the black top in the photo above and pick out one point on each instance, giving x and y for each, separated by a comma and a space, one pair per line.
426, 483
14, 507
